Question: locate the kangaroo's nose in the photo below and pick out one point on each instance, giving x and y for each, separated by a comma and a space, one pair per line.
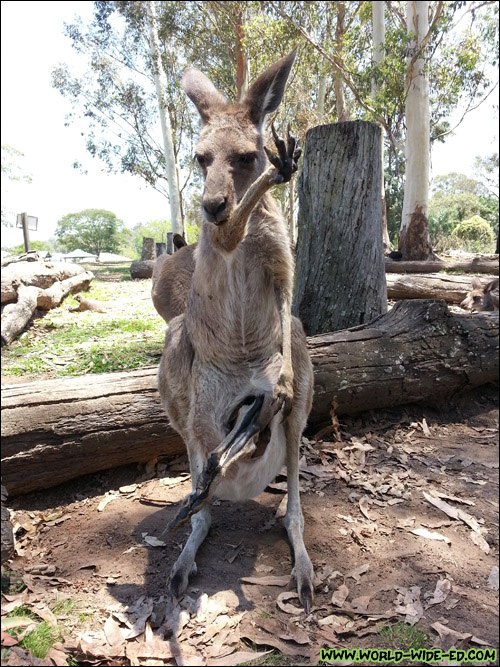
215, 209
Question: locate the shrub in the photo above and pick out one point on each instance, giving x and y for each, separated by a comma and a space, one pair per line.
474, 229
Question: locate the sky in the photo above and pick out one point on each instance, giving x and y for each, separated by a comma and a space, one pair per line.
33, 116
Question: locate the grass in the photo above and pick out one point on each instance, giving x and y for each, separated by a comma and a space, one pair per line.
12, 582
130, 335
40, 639
404, 637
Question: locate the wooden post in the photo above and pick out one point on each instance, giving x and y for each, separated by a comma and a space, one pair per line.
24, 217
148, 248
161, 249
170, 243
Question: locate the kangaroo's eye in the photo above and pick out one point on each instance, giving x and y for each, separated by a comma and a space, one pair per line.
247, 158
200, 159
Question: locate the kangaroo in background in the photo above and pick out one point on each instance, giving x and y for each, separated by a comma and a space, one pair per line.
235, 367
171, 280
481, 298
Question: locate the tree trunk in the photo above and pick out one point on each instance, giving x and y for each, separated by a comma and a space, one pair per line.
476, 265
166, 129
414, 241
338, 85
55, 430
242, 64
340, 229
452, 289
378, 54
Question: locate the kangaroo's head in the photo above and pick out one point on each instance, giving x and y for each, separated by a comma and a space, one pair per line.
230, 148
481, 297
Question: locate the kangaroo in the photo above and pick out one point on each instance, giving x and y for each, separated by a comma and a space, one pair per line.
481, 297
235, 377
171, 280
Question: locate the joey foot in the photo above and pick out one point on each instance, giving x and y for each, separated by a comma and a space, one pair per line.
283, 394
287, 158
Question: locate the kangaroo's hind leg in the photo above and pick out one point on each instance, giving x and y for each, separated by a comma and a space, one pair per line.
303, 571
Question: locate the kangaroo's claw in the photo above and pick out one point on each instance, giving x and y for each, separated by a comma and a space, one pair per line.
287, 158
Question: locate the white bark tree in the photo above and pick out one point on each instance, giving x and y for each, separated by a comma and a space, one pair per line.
378, 55
166, 128
414, 240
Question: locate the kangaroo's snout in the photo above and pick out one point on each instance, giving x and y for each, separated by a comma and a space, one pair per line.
215, 209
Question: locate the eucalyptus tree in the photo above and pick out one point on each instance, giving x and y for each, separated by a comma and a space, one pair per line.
461, 45
121, 88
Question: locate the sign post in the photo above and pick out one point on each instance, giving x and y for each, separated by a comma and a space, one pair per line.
26, 222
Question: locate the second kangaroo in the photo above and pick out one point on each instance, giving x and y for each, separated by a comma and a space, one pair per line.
235, 378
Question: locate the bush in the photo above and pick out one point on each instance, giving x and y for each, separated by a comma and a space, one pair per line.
474, 229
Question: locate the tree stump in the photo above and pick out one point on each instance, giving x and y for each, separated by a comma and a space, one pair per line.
340, 266
148, 248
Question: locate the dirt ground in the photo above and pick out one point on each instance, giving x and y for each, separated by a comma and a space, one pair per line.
401, 523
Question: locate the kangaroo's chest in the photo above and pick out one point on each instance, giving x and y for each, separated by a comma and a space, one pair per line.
232, 310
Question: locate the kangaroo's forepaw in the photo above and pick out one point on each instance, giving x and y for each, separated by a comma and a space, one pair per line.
287, 158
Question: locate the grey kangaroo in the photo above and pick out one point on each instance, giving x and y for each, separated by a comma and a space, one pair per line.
235, 378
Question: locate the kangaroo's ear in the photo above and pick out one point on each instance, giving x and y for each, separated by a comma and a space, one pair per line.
202, 92
178, 241
265, 94
476, 283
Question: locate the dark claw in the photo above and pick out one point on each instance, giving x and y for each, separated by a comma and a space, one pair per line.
175, 584
288, 155
306, 597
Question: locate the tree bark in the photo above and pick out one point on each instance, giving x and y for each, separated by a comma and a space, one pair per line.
414, 240
340, 229
452, 289
476, 265
55, 430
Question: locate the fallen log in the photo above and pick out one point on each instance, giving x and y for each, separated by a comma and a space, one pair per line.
419, 352
35, 274
142, 268
15, 316
54, 295
476, 265
450, 288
